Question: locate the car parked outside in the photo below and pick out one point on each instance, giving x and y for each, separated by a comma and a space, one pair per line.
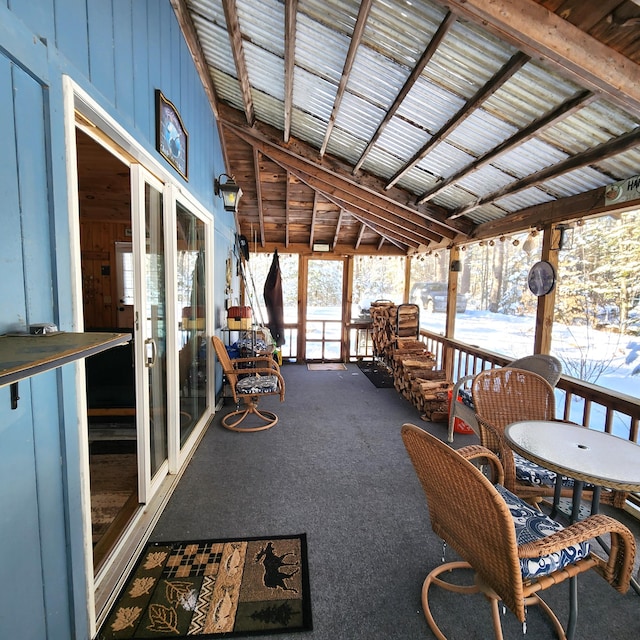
433, 297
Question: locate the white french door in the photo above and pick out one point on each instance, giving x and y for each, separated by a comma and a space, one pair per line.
150, 329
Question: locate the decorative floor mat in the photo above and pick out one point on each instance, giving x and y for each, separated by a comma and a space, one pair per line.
326, 366
214, 588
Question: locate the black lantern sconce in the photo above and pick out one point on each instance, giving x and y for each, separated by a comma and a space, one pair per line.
229, 191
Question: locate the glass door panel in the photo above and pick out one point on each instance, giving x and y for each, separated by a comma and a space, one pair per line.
192, 341
324, 324
155, 342
150, 329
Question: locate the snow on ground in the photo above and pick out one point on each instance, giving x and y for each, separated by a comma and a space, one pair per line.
618, 356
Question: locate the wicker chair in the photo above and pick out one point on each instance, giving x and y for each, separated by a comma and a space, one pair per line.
249, 379
512, 559
549, 367
506, 395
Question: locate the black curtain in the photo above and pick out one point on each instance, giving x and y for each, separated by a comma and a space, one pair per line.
273, 301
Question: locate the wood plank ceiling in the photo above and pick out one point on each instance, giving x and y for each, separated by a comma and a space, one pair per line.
395, 126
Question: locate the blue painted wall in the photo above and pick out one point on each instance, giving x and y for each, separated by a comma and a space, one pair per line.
119, 51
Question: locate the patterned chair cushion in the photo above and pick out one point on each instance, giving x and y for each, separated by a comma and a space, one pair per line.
257, 384
532, 525
527, 471
465, 396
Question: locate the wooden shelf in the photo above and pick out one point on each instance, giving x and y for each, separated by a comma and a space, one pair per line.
22, 356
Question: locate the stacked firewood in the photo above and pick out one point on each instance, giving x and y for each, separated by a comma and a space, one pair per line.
384, 316
425, 387
411, 364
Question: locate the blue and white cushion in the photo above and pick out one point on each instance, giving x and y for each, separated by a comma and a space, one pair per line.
527, 471
532, 525
257, 384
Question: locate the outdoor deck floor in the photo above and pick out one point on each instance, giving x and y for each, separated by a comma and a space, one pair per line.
335, 468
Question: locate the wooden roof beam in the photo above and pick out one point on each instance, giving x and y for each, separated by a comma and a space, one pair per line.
573, 52
235, 38
507, 71
298, 155
314, 213
417, 70
356, 37
290, 12
338, 224
602, 151
256, 169
363, 226
535, 128
286, 211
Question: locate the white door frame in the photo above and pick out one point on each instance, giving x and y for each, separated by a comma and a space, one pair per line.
82, 111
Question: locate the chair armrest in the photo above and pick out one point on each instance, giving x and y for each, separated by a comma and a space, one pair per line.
616, 570
478, 452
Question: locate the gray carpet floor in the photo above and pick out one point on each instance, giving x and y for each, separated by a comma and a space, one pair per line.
335, 468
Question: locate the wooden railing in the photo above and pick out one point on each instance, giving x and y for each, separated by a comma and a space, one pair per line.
581, 402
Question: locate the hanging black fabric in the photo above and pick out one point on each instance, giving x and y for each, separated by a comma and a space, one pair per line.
273, 301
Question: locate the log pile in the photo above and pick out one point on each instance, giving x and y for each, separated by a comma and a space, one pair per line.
384, 316
411, 364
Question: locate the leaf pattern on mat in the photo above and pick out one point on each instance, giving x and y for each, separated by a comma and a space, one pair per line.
155, 560
222, 610
234, 561
141, 587
177, 591
125, 617
164, 619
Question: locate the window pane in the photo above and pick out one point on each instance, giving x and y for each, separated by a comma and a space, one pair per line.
191, 291
494, 308
376, 278
597, 314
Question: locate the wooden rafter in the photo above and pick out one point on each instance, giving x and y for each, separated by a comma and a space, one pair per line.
338, 224
290, 12
601, 152
565, 209
363, 227
356, 37
235, 38
504, 75
542, 34
535, 128
286, 210
314, 213
299, 155
256, 169
379, 223
432, 47
385, 234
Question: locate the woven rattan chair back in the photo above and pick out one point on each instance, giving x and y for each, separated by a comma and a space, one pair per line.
505, 395
471, 516
467, 512
225, 362
259, 376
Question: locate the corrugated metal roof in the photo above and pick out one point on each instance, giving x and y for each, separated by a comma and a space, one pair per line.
469, 59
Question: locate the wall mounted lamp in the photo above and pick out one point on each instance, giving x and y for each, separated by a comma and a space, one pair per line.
228, 190
456, 266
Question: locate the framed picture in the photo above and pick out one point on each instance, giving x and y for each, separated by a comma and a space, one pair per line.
172, 139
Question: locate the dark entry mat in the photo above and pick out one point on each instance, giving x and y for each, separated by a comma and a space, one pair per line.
377, 373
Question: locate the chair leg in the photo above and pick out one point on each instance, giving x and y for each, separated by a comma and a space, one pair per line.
433, 578
268, 417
